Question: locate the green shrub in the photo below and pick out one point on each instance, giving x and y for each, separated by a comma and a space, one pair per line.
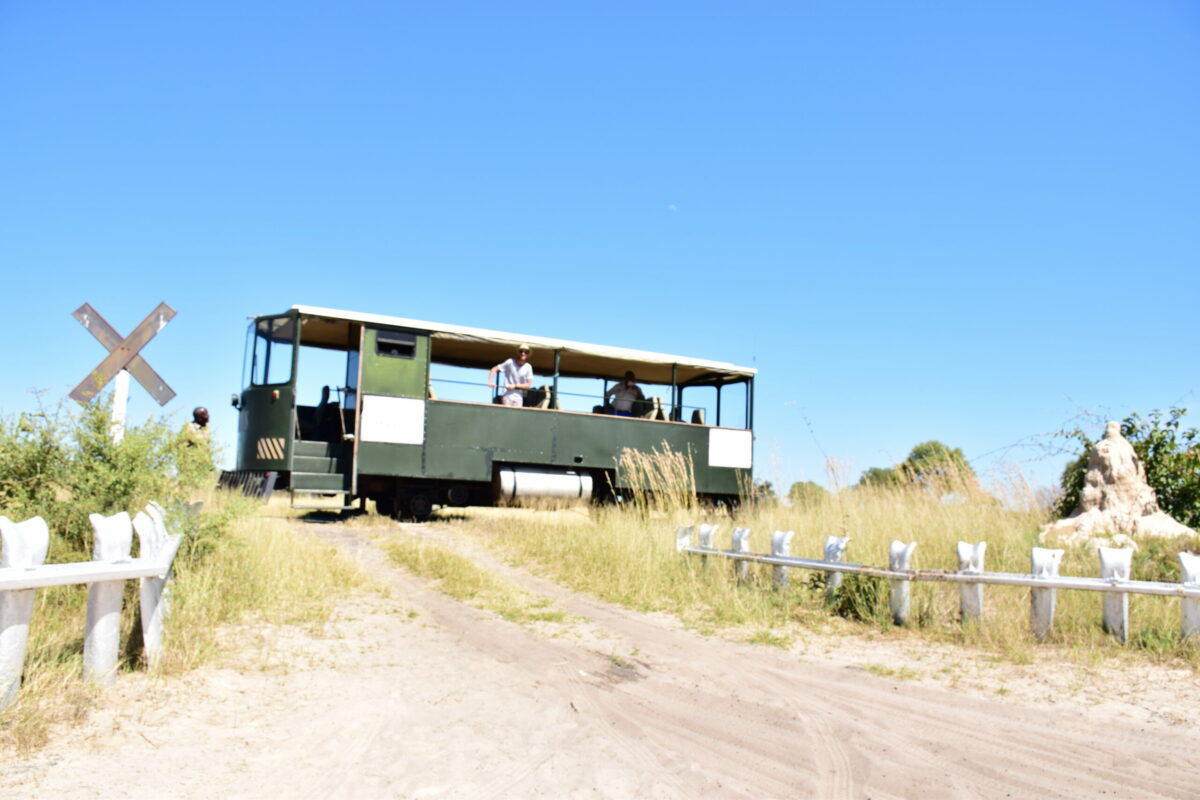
64, 466
859, 597
1169, 453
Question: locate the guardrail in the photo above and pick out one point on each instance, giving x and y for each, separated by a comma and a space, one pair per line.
22, 573
1043, 578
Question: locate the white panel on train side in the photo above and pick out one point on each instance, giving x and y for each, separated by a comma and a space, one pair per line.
730, 448
395, 420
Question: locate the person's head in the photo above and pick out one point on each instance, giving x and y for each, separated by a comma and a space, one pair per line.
629, 377
200, 416
523, 352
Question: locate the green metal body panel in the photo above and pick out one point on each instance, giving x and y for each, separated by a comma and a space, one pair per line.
265, 427
380, 458
394, 377
464, 440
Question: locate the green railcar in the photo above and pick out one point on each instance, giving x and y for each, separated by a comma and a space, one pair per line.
395, 410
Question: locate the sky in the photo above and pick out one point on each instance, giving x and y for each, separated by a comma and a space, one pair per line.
971, 222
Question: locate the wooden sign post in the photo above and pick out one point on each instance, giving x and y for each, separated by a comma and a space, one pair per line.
123, 360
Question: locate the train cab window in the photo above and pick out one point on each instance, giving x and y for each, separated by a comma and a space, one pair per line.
273, 346
395, 344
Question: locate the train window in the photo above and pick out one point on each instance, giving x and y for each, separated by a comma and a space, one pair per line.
395, 344
273, 347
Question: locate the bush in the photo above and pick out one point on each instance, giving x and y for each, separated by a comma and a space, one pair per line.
807, 493
1169, 453
864, 598
63, 467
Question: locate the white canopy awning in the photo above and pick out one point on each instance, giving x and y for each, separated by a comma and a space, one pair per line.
475, 347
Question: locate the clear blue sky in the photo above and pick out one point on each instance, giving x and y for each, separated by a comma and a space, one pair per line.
959, 221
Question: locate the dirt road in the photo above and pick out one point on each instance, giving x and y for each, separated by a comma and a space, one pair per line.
419, 696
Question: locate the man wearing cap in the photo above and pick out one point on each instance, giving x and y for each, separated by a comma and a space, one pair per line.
518, 376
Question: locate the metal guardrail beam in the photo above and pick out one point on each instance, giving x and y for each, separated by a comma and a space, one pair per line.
942, 576
23, 548
15, 578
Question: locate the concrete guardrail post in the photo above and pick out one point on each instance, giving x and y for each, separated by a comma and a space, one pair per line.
22, 545
1045, 563
899, 557
1114, 567
1189, 565
781, 545
970, 595
102, 636
835, 553
705, 538
741, 544
683, 537
154, 592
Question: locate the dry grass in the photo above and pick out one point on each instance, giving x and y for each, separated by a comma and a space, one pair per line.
459, 577
263, 571
627, 556
257, 569
660, 481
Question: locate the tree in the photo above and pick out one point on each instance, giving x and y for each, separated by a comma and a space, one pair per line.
764, 492
881, 477
1169, 453
931, 464
934, 462
806, 493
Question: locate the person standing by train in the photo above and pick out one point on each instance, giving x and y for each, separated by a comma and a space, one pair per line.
518, 376
196, 432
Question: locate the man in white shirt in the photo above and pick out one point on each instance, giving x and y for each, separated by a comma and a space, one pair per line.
623, 394
518, 376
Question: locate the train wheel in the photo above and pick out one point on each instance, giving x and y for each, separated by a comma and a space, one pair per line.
420, 506
385, 506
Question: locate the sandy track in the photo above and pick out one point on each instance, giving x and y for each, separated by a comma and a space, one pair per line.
423, 697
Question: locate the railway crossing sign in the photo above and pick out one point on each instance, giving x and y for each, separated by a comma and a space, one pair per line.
123, 354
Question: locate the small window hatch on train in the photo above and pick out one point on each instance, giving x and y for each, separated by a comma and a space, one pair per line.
396, 344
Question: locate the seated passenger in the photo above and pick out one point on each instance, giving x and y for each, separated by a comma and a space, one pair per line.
623, 396
518, 376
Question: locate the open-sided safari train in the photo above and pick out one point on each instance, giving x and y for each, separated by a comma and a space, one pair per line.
397, 410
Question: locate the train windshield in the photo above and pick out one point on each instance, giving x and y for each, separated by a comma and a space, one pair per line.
270, 349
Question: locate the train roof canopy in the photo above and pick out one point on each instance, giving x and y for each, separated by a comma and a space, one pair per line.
475, 347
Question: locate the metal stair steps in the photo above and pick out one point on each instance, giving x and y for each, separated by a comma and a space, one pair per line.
319, 481
314, 464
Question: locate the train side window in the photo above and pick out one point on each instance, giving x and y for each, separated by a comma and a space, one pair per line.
395, 344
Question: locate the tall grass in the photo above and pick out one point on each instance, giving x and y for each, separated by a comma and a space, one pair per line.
662, 480
629, 558
262, 570
233, 567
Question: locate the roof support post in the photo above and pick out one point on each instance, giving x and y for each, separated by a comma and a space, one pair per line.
750, 404
720, 386
554, 398
675, 394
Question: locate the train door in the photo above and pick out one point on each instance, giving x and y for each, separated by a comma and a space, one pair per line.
393, 386
265, 407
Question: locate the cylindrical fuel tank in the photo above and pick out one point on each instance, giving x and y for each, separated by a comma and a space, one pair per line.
514, 484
